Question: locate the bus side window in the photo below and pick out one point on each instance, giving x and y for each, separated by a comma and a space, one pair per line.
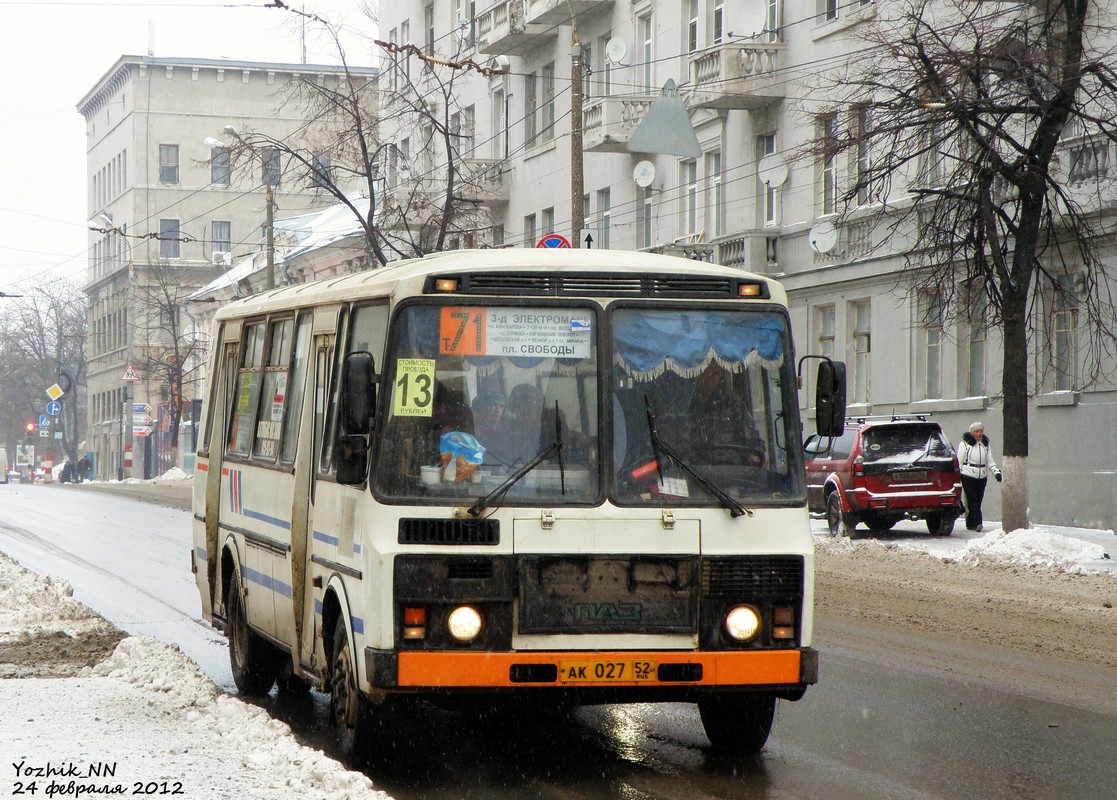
364, 328
246, 396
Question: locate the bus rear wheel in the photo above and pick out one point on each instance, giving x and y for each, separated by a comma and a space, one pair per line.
349, 712
737, 725
253, 662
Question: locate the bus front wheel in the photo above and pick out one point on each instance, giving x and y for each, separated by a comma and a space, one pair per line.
737, 725
349, 713
254, 662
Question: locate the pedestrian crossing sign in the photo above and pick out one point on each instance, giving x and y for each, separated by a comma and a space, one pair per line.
130, 374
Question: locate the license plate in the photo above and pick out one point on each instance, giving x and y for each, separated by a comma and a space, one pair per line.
600, 671
909, 477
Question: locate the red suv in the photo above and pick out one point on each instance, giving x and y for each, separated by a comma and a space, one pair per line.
883, 470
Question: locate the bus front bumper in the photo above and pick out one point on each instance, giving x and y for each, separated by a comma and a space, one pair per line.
785, 671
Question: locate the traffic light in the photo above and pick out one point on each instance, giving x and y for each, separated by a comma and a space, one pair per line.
30, 428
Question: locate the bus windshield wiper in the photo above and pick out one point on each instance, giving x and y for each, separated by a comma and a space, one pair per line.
658, 445
553, 448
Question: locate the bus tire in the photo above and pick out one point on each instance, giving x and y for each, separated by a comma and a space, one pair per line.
254, 662
737, 724
349, 712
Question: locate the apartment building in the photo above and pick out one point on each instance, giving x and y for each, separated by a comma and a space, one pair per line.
169, 211
748, 76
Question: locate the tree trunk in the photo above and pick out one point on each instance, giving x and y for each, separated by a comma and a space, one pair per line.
1014, 385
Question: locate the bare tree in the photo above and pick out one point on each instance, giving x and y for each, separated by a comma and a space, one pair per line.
972, 128
171, 349
42, 343
420, 198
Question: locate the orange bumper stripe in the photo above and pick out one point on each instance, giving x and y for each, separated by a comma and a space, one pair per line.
434, 670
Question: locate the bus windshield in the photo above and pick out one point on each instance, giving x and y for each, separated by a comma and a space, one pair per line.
480, 391
703, 404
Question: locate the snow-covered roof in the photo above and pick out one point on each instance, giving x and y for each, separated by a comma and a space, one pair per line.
295, 236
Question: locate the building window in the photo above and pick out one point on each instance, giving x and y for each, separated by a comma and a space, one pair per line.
320, 174
713, 194
824, 322
830, 10
498, 141
646, 213
405, 38
932, 324
864, 164
428, 30
461, 127
222, 236
547, 102
774, 20
647, 35
270, 166
604, 208
718, 31
530, 235
220, 167
692, 27
830, 164
605, 74
862, 347
531, 102
1064, 354
689, 181
549, 220
168, 163
766, 146
170, 245
976, 310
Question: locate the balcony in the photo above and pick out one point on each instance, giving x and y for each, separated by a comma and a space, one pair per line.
501, 30
558, 12
609, 122
481, 181
736, 75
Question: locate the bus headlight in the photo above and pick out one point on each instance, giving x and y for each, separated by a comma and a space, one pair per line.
742, 623
464, 623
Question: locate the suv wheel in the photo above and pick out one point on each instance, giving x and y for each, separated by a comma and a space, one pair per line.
941, 523
839, 524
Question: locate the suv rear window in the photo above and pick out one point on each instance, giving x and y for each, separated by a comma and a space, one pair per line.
904, 443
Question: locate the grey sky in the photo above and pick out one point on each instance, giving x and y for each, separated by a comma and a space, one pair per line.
55, 51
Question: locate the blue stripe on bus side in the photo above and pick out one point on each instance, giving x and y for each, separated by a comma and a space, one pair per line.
266, 581
325, 537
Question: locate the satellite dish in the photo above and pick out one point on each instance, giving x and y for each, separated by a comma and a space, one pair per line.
644, 174
773, 170
823, 237
754, 17
615, 50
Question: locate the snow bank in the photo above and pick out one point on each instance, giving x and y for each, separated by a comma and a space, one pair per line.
1033, 547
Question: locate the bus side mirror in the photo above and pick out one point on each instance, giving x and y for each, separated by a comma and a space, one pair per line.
830, 398
352, 459
358, 393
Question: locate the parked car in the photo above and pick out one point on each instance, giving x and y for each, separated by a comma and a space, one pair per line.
883, 470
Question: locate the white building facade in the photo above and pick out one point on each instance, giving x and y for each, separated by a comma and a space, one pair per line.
169, 212
743, 71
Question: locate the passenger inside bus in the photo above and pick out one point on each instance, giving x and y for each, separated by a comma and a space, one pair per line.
722, 430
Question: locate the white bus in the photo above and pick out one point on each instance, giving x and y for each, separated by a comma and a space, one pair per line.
556, 476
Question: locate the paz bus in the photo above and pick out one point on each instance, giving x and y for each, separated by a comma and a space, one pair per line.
555, 477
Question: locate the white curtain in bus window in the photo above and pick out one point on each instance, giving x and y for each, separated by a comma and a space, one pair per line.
269, 421
295, 389
247, 394
711, 381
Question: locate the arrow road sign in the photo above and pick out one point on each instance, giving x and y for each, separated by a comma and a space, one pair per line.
54, 408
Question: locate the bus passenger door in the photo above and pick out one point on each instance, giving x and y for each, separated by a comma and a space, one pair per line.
339, 540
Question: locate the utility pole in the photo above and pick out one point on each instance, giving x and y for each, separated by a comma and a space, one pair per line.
577, 178
270, 238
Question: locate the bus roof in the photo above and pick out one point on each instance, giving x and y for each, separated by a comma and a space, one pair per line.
411, 274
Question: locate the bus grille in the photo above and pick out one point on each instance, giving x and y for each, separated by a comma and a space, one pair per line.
597, 285
449, 531
780, 576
